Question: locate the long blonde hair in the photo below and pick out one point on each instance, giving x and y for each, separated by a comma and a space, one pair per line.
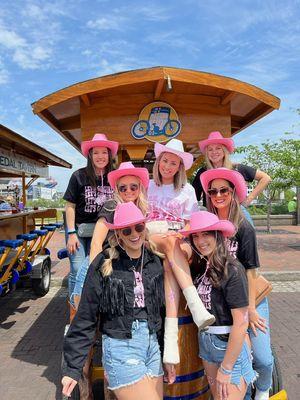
180, 178
226, 161
113, 253
141, 202
235, 215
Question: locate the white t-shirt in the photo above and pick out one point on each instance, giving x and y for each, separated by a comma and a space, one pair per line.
173, 206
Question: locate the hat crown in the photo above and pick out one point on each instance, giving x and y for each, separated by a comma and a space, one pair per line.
202, 219
215, 135
126, 165
127, 212
100, 136
175, 144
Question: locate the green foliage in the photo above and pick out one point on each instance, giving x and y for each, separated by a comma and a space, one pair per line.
60, 203
280, 160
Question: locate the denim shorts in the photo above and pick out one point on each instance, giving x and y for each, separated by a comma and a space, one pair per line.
127, 361
212, 350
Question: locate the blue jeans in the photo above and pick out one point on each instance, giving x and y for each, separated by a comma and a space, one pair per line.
262, 352
247, 215
127, 361
80, 277
80, 257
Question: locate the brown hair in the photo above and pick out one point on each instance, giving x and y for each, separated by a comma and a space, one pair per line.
219, 260
235, 215
180, 178
90, 168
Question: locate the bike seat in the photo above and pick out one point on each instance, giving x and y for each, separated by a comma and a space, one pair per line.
13, 244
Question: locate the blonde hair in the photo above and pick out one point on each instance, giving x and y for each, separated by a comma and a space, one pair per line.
113, 253
236, 215
180, 178
226, 161
141, 202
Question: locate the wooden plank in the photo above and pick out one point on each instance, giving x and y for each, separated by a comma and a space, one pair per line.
154, 74
70, 123
158, 89
28, 146
236, 122
85, 98
228, 97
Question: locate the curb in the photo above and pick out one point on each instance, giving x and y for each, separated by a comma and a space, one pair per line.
282, 276
273, 276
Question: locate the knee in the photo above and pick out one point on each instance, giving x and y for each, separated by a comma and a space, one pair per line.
263, 359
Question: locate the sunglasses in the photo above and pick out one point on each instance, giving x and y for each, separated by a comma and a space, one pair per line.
139, 228
223, 192
133, 187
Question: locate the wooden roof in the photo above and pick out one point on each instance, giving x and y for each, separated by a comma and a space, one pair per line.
11, 140
246, 103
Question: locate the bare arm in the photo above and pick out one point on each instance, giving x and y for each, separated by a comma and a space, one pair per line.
99, 236
234, 347
72, 242
263, 180
254, 318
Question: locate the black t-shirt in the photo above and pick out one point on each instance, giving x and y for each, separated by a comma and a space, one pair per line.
88, 199
232, 293
247, 172
243, 246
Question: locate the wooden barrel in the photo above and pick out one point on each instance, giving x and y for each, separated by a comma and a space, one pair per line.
191, 383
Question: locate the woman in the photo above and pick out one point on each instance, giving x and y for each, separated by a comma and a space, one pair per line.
88, 189
125, 291
129, 184
171, 202
217, 150
226, 190
222, 285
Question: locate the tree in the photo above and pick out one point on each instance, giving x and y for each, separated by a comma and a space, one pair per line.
280, 160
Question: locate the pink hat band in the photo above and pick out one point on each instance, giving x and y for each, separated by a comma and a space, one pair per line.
230, 175
128, 169
203, 221
126, 214
216, 138
99, 140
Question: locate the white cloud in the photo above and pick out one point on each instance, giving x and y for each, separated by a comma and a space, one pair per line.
111, 22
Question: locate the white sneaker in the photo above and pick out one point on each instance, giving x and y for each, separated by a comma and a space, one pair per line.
259, 395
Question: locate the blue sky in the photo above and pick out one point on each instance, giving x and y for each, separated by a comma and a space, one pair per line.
47, 45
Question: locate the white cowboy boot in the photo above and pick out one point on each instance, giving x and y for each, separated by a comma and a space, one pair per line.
201, 316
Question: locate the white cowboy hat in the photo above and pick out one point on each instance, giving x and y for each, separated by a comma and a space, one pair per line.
175, 146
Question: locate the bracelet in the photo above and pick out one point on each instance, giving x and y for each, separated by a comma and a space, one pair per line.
71, 232
224, 370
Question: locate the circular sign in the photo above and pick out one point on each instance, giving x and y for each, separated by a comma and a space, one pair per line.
158, 122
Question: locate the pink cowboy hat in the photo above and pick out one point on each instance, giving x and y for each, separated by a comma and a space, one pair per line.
126, 214
127, 168
229, 175
215, 138
203, 221
175, 146
99, 140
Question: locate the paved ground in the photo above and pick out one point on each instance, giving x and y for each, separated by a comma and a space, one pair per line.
31, 328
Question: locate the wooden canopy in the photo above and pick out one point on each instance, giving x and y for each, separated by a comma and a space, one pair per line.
111, 104
13, 143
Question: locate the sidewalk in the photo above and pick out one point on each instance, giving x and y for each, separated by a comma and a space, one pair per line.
279, 254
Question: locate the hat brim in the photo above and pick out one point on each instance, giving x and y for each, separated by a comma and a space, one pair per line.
226, 227
227, 142
187, 158
229, 175
125, 224
141, 173
89, 144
